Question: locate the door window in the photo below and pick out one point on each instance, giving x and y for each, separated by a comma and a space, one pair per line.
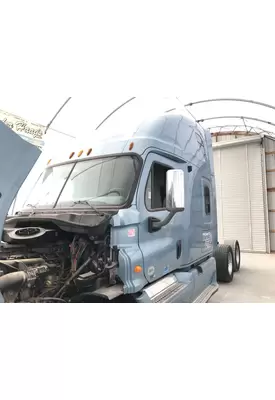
155, 193
207, 203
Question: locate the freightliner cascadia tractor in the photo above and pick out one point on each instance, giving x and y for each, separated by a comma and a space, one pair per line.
125, 219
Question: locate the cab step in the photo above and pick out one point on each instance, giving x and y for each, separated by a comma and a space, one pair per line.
205, 296
167, 290
168, 295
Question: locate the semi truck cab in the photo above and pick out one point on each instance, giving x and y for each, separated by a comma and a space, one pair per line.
125, 219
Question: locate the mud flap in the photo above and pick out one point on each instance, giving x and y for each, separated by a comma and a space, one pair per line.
17, 158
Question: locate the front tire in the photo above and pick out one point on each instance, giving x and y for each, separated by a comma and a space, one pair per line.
224, 263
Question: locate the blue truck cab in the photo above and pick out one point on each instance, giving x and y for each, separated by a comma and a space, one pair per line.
128, 219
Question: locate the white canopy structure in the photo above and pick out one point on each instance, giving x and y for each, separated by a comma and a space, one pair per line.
243, 132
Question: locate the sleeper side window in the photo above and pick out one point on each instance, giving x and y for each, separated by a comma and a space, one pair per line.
207, 200
155, 193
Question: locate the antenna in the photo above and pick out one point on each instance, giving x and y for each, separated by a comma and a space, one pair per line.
122, 105
58, 112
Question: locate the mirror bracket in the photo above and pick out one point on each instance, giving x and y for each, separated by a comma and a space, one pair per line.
155, 224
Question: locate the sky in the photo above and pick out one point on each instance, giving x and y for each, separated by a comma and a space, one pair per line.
102, 53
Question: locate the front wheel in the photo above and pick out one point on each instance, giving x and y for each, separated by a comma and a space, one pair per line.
224, 263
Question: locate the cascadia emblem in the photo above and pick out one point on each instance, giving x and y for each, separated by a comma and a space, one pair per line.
151, 271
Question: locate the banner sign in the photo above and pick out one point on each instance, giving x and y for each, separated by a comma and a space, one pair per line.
29, 131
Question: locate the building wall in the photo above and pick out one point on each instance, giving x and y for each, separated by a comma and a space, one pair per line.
241, 193
218, 137
269, 145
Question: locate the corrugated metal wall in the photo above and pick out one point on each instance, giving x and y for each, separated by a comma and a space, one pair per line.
240, 180
270, 177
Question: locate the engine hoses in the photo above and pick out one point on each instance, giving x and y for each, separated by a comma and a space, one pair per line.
75, 275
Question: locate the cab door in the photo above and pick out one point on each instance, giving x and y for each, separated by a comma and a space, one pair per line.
205, 275
17, 157
163, 249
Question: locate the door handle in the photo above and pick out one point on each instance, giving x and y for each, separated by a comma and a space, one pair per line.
179, 248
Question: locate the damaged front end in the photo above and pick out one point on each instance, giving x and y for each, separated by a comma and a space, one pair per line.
58, 248
52, 259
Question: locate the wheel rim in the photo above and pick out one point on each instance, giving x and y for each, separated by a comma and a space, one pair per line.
238, 256
230, 263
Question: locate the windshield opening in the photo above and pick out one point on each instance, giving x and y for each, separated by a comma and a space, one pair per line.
106, 182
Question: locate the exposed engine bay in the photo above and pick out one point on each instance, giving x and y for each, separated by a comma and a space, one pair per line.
52, 261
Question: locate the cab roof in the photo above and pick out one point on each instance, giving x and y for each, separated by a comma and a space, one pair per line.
170, 132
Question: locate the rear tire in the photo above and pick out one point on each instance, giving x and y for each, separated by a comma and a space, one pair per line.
224, 263
236, 252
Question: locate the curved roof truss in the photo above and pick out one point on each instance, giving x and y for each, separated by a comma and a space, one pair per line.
232, 99
236, 117
247, 121
234, 127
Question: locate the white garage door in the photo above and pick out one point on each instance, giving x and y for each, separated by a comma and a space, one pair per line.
240, 194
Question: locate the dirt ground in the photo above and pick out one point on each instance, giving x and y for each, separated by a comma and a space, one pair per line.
255, 283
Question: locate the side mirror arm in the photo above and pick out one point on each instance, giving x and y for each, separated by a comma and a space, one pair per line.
154, 224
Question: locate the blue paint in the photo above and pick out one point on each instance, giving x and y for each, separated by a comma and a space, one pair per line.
166, 270
178, 143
